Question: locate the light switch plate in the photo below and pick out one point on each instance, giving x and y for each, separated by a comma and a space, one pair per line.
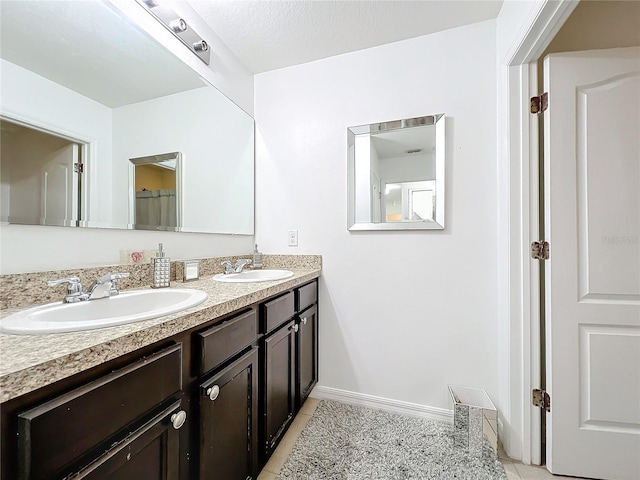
293, 238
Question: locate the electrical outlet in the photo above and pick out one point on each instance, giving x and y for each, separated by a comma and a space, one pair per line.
293, 238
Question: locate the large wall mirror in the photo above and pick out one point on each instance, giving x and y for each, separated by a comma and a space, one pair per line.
396, 174
84, 92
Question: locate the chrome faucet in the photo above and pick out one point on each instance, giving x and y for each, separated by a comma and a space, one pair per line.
106, 286
230, 268
103, 287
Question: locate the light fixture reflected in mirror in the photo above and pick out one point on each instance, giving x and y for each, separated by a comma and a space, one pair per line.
396, 174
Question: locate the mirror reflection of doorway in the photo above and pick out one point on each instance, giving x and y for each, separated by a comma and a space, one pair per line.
408, 201
421, 204
40, 176
376, 198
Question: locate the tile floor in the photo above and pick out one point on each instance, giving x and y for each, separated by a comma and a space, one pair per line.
515, 470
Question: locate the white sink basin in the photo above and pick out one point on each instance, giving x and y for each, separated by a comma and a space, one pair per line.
253, 276
127, 307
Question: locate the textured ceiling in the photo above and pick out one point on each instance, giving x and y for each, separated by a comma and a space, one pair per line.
267, 34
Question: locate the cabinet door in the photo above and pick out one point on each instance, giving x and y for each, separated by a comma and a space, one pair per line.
229, 421
279, 385
151, 452
306, 354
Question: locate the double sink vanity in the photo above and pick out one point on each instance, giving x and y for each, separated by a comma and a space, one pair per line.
203, 393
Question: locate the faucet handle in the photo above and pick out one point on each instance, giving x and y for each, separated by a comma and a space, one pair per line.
240, 263
74, 286
113, 278
228, 267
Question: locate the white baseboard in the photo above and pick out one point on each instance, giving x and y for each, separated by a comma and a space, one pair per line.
387, 404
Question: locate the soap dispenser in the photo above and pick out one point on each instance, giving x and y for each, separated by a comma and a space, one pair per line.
257, 257
160, 269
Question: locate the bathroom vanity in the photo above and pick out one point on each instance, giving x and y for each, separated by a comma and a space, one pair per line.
207, 393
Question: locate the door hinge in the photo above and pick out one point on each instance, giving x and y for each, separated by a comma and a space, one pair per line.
540, 250
540, 103
540, 398
78, 167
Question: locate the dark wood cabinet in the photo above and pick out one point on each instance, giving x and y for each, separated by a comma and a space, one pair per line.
229, 421
306, 303
220, 343
275, 312
289, 360
306, 353
278, 386
151, 452
210, 403
306, 295
58, 435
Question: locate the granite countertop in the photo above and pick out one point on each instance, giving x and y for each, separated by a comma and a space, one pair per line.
28, 362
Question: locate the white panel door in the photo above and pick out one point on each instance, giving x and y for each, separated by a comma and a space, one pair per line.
592, 194
59, 187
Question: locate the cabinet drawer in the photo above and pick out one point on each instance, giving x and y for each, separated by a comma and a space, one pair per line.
223, 341
53, 435
276, 312
306, 296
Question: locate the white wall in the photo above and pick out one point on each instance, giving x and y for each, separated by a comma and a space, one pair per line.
403, 313
408, 168
31, 248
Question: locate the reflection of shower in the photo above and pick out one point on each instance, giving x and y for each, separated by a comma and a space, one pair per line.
156, 208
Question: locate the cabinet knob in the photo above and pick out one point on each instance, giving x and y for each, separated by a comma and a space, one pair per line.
178, 419
296, 327
213, 392
304, 321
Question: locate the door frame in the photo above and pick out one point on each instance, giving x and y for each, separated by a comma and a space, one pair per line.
87, 152
518, 282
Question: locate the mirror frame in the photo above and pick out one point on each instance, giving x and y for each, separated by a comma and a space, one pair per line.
352, 132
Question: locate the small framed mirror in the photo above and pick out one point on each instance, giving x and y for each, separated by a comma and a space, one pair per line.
155, 192
396, 174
